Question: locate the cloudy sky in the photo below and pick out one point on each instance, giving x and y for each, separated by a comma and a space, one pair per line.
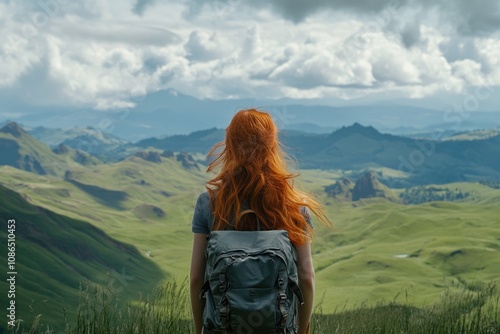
107, 54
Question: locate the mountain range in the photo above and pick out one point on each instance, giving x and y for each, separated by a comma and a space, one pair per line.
358, 147
355, 147
168, 112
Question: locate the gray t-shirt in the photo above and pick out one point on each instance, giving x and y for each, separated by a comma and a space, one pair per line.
203, 216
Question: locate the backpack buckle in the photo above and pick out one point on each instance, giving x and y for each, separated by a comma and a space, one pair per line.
204, 289
224, 285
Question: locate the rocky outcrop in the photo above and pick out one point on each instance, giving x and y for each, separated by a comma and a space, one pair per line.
187, 161
151, 156
83, 158
68, 175
167, 154
341, 189
61, 149
367, 186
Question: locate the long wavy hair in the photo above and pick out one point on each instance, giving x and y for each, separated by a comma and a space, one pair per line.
254, 171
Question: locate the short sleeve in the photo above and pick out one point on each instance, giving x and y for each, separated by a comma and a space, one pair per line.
307, 214
200, 222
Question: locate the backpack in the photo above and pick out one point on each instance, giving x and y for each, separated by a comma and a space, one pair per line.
251, 282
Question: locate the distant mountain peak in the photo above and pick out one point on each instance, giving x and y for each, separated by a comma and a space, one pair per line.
14, 129
356, 128
357, 125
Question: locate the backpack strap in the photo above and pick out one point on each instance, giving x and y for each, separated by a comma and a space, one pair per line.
224, 309
282, 300
230, 226
296, 289
251, 211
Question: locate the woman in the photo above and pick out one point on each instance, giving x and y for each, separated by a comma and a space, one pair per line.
254, 175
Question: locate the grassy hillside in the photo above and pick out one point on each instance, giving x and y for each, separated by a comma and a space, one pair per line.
380, 249
74, 155
121, 198
21, 150
377, 248
55, 254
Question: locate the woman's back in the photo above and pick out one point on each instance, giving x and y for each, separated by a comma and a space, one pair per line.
203, 216
251, 173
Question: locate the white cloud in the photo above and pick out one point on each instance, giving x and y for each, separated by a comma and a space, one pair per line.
201, 46
114, 32
252, 46
103, 54
489, 56
469, 71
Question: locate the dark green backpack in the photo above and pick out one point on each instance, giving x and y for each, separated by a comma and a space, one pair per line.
251, 283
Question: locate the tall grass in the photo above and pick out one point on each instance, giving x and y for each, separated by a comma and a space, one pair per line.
101, 311
474, 309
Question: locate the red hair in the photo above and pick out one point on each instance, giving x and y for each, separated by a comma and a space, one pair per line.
254, 171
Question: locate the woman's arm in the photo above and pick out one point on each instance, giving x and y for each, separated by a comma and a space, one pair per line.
306, 283
196, 278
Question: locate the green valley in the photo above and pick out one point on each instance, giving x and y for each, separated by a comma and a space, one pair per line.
55, 255
87, 221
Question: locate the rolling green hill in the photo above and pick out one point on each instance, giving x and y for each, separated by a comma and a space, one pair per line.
21, 150
124, 199
377, 249
381, 248
55, 254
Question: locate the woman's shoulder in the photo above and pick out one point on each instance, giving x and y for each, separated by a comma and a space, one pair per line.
203, 200
204, 195
203, 207
202, 215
